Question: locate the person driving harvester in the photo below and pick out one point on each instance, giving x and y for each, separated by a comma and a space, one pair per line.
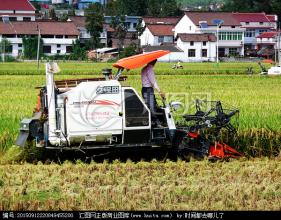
148, 85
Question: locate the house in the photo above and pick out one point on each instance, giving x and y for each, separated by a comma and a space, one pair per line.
57, 36
107, 37
176, 54
268, 44
230, 32
17, 10
158, 30
255, 24
80, 23
131, 35
198, 46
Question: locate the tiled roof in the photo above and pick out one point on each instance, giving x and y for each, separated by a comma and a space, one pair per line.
227, 17
197, 37
251, 17
272, 18
80, 21
161, 29
166, 20
170, 47
18, 5
46, 28
267, 34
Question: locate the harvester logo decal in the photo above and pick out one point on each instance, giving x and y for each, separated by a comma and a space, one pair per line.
96, 102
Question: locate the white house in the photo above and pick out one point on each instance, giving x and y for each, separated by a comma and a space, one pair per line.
231, 34
17, 10
255, 24
197, 47
158, 30
57, 36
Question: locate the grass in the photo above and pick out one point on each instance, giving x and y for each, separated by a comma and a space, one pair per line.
89, 68
237, 185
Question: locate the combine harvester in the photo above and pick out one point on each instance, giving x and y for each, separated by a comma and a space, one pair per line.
102, 113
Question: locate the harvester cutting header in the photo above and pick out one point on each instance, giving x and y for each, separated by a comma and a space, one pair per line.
102, 113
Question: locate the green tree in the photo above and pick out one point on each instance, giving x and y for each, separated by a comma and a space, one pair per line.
52, 15
170, 8
30, 46
154, 8
163, 8
78, 52
94, 23
129, 51
118, 23
5, 46
276, 8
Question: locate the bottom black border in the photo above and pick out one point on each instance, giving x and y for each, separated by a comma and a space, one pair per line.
140, 215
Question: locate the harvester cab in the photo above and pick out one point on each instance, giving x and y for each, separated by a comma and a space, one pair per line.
103, 113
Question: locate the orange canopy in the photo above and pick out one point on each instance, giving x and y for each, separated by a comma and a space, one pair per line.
140, 60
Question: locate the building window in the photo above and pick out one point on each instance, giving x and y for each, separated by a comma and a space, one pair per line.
190, 28
250, 33
232, 26
233, 51
58, 51
247, 23
68, 49
128, 25
261, 23
12, 18
230, 36
19, 45
26, 19
204, 43
46, 49
134, 25
58, 45
59, 36
160, 39
261, 31
191, 53
204, 52
191, 43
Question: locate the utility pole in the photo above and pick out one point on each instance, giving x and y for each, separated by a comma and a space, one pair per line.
218, 22
38, 48
217, 43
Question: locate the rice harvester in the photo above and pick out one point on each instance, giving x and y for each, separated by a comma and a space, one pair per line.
104, 113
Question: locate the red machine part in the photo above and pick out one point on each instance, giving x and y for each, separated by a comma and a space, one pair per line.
222, 150
219, 150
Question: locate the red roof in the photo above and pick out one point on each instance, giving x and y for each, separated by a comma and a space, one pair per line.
166, 20
161, 29
46, 28
18, 5
80, 21
267, 34
227, 17
251, 17
272, 18
197, 37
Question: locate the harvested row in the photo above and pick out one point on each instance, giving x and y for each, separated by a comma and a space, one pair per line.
238, 185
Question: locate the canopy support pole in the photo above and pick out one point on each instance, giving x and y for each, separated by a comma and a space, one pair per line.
119, 72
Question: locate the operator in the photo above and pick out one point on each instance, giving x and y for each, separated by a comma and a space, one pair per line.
148, 85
